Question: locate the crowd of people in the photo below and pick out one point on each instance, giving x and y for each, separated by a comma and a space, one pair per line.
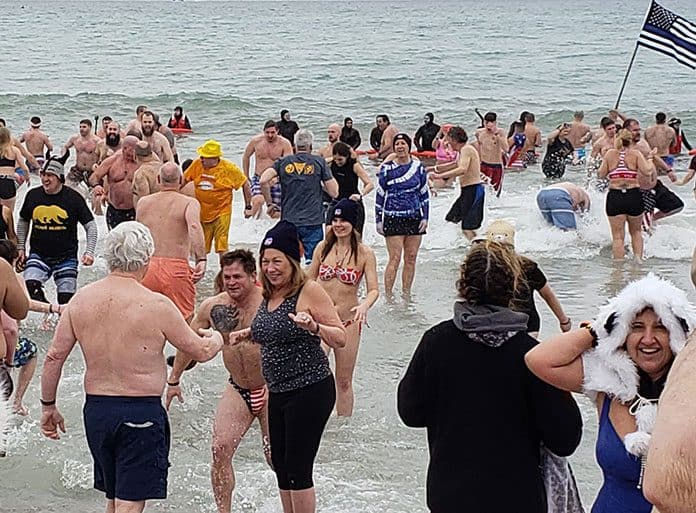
279, 316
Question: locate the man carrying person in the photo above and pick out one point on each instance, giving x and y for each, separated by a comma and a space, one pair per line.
215, 179
492, 144
661, 136
53, 211
36, 142
158, 142
145, 177
126, 426
558, 204
245, 397
86, 155
266, 149
468, 208
119, 170
302, 176
389, 131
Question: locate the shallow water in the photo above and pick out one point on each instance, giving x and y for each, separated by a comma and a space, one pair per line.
232, 66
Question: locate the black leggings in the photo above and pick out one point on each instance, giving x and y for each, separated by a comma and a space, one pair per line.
296, 422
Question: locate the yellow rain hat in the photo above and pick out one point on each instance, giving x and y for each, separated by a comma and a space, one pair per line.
211, 149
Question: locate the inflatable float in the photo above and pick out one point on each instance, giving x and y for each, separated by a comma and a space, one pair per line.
420, 154
181, 131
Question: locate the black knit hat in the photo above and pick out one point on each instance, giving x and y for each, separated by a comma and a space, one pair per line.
346, 209
402, 137
283, 237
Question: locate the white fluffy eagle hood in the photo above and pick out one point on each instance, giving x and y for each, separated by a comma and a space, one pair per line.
610, 370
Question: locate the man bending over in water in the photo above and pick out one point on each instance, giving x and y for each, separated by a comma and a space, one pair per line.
245, 397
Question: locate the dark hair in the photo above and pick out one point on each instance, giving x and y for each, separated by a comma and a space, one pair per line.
628, 122
660, 118
2, 122
606, 121
35, 120
185, 164
490, 116
384, 118
8, 251
402, 137
341, 149
87, 122
179, 109
149, 113
243, 256
270, 124
140, 108
529, 118
135, 133
458, 134
490, 275
107, 118
331, 239
346, 121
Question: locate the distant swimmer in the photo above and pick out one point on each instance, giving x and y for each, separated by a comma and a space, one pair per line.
86, 155
286, 126
127, 428
53, 211
119, 170
606, 141
676, 148
245, 395
532, 139
468, 208
491, 144
333, 133
663, 137
135, 124
10, 160
376, 137
174, 221
559, 203
36, 141
158, 142
580, 134
179, 120
266, 148
145, 177
350, 135
389, 131
425, 135
558, 149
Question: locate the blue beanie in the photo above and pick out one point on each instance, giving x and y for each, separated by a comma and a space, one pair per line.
283, 237
346, 209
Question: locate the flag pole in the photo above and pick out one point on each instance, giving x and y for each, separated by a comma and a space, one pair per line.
628, 71
633, 57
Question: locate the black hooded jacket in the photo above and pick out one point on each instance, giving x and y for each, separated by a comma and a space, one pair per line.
485, 413
287, 128
351, 137
425, 136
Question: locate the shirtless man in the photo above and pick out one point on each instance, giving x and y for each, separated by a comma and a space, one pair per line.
135, 124
670, 472
101, 133
333, 133
491, 144
36, 142
85, 144
661, 136
606, 141
119, 170
580, 132
174, 221
158, 142
468, 208
559, 202
145, 177
245, 396
532, 139
266, 148
111, 143
127, 429
389, 131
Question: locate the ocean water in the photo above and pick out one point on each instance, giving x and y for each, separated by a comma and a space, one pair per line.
232, 65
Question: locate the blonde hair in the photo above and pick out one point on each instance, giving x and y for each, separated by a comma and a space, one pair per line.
623, 139
298, 278
5, 142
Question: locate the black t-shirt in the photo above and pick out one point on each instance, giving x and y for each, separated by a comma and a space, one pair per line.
534, 280
54, 219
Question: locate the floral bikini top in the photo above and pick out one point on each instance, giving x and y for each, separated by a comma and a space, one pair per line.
345, 275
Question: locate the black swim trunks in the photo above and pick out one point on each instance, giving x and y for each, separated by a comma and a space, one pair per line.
624, 202
129, 440
468, 208
116, 216
401, 226
8, 187
665, 200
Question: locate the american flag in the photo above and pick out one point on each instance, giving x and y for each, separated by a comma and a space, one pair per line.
668, 33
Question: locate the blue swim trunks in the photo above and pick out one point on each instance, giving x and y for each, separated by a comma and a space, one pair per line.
129, 440
25, 350
556, 206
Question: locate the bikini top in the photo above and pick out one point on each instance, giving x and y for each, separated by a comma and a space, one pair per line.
4, 162
621, 172
345, 275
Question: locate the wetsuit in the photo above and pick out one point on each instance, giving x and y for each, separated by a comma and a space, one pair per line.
287, 128
425, 136
351, 137
376, 138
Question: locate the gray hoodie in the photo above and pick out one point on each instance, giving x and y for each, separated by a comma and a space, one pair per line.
487, 324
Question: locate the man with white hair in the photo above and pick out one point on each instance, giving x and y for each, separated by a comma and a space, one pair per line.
301, 178
175, 224
122, 328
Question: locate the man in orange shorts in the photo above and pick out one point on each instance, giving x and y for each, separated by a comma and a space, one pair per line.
174, 221
215, 180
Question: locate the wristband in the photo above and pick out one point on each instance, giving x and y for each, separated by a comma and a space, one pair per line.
586, 325
47, 403
176, 384
50, 308
202, 260
318, 329
567, 321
